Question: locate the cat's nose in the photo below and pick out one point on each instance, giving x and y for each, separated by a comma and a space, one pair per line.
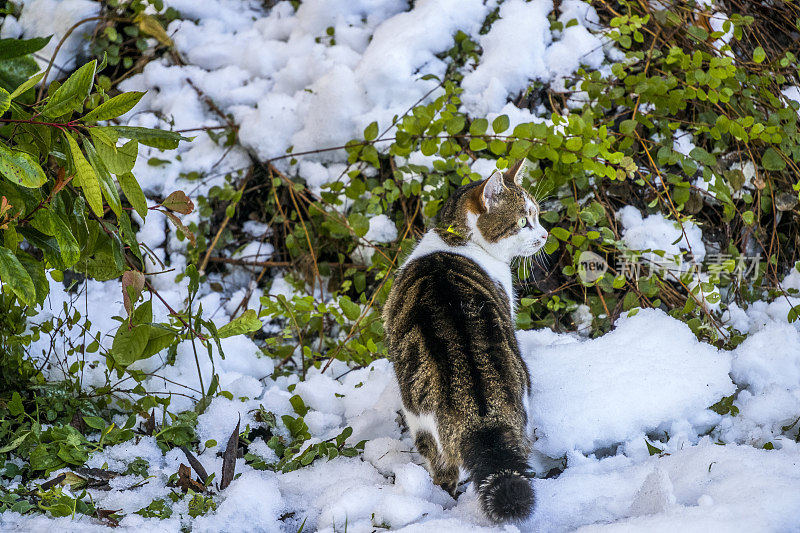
543, 236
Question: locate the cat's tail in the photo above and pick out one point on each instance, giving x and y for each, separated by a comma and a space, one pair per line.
498, 467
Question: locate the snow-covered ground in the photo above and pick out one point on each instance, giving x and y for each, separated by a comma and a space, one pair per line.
596, 402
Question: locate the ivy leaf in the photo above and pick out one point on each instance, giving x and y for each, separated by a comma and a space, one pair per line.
772, 160
13, 274
248, 322
21, 168
178, 201
759, 55
71, 95
117, 106
86, 177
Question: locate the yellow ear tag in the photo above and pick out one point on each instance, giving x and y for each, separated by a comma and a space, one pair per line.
454, 232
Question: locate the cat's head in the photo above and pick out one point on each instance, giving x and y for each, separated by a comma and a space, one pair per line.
497, 214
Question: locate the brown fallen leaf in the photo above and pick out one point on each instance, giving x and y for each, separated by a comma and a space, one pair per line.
229, 458
108, 516
47, 485
150, 423
196, 464
185, 481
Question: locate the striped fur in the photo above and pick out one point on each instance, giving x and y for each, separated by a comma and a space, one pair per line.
450, 332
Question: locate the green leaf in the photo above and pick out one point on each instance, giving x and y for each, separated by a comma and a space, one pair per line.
351, 310
299, 405
16, 442
86, 177
371, 132
129, 343
652, 450
15, 407
500, 124
772, 160
359, 223
51, 224
95, 422
14, 72
5, 101
560, 233
117, 159
160, 338
759, 54
478, 126
21, 168
36, 271
248, 322
162, 139
107, 184
133, 192
71, 95
33, 80
119, 105
13, 274
10, 48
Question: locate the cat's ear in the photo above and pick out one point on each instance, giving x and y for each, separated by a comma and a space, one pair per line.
492, 188
514, 174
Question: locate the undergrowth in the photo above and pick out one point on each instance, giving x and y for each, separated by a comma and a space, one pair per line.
608, 141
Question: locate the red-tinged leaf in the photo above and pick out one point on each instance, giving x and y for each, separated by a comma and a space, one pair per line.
178, 202
132, 287
180, 225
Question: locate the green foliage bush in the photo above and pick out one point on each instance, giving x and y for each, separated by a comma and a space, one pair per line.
67, 195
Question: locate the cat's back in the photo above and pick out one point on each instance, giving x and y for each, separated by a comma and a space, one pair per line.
444, 294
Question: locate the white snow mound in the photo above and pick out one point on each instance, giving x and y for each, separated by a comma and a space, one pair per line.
649, 371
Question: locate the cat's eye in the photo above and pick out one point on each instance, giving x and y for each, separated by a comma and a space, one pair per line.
522, 222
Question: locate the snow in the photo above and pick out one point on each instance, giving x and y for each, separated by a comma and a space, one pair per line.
660, 378
381, 230
61, 16
655, 232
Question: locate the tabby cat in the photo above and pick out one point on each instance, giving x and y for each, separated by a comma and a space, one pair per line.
450, 329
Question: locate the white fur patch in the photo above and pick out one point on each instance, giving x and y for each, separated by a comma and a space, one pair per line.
423, 422
497, 269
